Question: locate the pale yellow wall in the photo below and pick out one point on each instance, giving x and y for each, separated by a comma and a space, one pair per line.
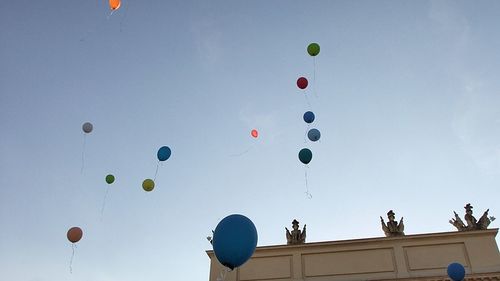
411, 257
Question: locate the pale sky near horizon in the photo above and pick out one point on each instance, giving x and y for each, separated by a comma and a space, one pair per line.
406, 95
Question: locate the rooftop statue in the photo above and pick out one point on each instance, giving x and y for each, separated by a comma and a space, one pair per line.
472, 223
295, 236
392, 228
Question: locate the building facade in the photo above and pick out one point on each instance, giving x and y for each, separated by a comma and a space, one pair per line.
411, 257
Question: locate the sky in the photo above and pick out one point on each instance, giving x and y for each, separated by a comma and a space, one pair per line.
405, 93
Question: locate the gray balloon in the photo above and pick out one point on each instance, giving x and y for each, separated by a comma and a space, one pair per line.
87, 127
314, 134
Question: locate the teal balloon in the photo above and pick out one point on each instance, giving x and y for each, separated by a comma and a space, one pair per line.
164, 153
313, 135
305, 155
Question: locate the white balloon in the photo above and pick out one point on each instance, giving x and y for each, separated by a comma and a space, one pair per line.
87, 127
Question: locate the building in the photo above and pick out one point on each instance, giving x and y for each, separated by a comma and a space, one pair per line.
419, 257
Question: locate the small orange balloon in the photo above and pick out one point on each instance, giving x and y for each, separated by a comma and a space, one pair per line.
255, 133
74, 234
114, 4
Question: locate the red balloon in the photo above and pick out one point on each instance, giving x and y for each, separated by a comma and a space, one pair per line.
255, 133
302, 83
74, 234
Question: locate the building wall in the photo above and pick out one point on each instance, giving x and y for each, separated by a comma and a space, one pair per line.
411, 257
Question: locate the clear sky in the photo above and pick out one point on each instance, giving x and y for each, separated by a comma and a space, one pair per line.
406, 96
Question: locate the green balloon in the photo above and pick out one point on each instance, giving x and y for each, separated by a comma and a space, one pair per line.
305, 156
148, 185
313, 49
110, 179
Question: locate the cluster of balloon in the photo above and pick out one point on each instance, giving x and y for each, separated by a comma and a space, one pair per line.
305, 154
109, 180
456, 271
87, 128
234, 241
74, 235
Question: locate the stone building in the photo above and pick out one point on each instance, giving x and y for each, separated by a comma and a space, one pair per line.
422, 257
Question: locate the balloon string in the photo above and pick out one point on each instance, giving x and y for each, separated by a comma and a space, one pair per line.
305, 133
241, 153
124, 15
95, 27
104, 202
71, 260
314, 76
83, 153
110, 14
307, 99
156, 173
223, 274
308, 195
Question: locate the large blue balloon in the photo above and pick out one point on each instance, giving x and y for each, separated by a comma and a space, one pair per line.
164, 153
456, 271
314, 134
309, 117
234, 241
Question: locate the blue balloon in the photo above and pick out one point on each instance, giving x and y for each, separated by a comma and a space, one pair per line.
314, 134
309, 117
456, 271
164, 153
234, 241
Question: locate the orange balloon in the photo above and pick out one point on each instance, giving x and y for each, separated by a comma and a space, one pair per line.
74, 234
255, 133
114, 4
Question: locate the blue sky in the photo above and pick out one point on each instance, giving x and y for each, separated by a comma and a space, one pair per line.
406, 98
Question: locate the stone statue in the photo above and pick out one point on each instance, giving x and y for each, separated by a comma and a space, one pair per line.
210, 238
472, 223
295, 236
392, 228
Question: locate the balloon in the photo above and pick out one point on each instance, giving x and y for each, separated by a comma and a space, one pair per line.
305, 155
234, 241
314, 134
164, 153
313, 49
74, 234
148, 185
309, 117
255, 133
302, 83
87, 127
114, 4
456, 271
110, 179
